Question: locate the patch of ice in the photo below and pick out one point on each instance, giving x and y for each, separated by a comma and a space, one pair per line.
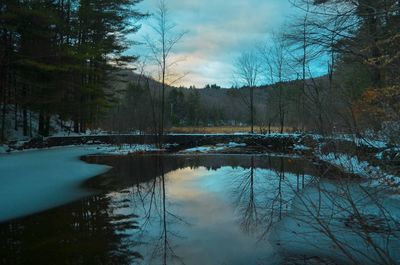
372, 143
232, 144
300, 147
385, 154
171, 145
200, 134
35, 181
284, 135
217, 147
379, 155
3, 149
275, 135
380, 144
351, 164
240, 133
204, 149
125, 149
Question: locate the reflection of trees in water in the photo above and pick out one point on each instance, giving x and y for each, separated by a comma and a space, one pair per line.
284, 191
151, 198
245, 199
80, 233
361, 224
98, 230
262, 196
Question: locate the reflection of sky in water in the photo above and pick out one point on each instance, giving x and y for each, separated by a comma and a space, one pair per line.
246, 212
212, 216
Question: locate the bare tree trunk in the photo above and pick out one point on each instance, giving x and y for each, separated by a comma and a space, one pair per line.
41, 124
281, 110
161, 52
76, 124
15, 105
47, 125
24, 112
30, 124
247, 68
153, 111
161, 136
3, 116
25, 121
303, 106
252, 109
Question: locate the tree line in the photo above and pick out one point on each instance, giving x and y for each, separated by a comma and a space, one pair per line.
57, 57
357, 45
183, 107
354, 43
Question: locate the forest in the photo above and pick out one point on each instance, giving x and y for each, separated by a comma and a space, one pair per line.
57, 58
67, 60
200, 132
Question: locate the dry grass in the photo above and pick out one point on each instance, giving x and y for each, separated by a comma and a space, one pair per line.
223, 129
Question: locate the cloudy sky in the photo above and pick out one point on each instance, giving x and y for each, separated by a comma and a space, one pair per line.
217, 31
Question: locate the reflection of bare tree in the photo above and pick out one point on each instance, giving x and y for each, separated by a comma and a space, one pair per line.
153, 200
263, 196
246, 200
275, 204
360, 224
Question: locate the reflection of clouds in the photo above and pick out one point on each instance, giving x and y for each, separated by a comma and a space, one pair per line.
182, 179
209, 211
218, 31
199, 219
262, 196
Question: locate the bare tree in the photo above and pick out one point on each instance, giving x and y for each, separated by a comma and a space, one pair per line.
161, 48
303, 50
275, 59
248, 69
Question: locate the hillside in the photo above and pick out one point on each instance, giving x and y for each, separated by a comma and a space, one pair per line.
232, 102
276, 105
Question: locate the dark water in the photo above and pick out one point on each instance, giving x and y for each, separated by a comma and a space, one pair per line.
174, 209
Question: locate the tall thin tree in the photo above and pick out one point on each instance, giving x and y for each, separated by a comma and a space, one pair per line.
248, 68
161, 48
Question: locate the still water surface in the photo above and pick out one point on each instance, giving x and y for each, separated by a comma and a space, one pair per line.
173, 209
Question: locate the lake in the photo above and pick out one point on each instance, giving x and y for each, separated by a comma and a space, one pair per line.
187, 209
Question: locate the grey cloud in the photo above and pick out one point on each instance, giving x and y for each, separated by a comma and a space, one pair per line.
217, 31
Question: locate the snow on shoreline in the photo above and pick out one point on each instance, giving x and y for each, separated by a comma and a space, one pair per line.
35, 181
3, 149
217, 147
351, 164
107, 149
301, 147
125, 149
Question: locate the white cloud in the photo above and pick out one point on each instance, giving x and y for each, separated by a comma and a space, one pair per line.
218, 31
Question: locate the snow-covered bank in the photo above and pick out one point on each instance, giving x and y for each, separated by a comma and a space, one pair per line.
352, 164
125, 149
363, 141
34, 181
213, 148
3, 149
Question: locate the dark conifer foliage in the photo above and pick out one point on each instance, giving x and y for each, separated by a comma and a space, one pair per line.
57, 57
